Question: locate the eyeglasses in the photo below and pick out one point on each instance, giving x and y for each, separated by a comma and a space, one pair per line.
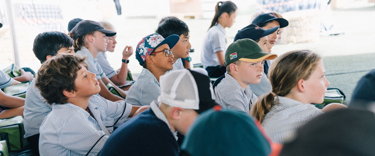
167, 52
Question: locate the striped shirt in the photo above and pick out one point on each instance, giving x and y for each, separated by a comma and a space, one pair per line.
145, 90
93, 64
70, 130
229, 94
103, 62
286, 116
5, 80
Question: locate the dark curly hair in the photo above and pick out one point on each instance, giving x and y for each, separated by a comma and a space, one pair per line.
58, 74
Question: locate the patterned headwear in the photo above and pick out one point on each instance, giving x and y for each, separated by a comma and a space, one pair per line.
149, 43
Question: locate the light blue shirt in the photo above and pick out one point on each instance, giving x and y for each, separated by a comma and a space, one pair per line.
178, 65
5, 80
229, 94
93, 64
263, 87
286, 116
144, 90
70, 130
213, 42
103, 62
36, 109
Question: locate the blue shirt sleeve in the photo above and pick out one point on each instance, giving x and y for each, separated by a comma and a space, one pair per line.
5, 80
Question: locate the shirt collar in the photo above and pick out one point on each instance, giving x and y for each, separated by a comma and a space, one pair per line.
221, 28
160, 115
148, 73
287, 101
86, 52
234, 82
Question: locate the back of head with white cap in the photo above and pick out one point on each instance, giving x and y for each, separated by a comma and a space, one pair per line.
186, 89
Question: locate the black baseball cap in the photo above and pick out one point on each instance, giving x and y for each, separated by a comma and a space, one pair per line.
72, 23
253, 32
87, 26
263, 18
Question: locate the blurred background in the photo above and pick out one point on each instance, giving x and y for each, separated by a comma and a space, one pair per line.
342, 31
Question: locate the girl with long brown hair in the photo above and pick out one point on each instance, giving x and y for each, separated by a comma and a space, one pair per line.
298, 81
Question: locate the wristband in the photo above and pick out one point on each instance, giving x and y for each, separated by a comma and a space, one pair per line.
125, 61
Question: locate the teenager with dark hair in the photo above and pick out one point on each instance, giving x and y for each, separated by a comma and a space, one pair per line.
181, 50
214, 46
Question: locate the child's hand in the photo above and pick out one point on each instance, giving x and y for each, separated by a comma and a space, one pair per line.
128, 51
27, 75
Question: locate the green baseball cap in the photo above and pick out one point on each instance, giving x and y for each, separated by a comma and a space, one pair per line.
246, 50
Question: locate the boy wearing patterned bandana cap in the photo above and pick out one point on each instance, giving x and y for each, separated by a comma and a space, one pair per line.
154, 53
244, 60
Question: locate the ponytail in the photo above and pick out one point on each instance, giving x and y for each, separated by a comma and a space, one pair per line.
79, 41
263, 106
222, 7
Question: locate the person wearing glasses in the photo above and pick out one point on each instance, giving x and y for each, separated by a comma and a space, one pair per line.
154, 53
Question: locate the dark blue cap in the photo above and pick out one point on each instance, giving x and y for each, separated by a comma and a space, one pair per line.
263, 18
72, 23
253, 32
87, 26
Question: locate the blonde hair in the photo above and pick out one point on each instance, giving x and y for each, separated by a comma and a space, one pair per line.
238, 62
278, 15
284, 75
80, 40
107, 25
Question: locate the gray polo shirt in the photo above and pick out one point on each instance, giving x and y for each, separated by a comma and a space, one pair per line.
145, 90
229, 94
36, 109
103, 62
286, 116
5, 80
93, 64
213, 42
71, 130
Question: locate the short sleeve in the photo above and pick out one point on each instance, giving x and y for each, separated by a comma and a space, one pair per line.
103, 62
218, 42
117, 112
5, 80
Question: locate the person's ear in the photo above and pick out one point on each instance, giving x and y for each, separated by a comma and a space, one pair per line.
225, 15
48, 57
69, 94
149, 60
233, 68
90, 38
176, 113
301, 86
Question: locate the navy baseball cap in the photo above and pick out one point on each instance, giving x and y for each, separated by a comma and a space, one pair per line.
149, 43
253, 32
263, 18
72, 23
87, 26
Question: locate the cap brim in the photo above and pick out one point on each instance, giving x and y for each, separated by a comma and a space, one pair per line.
107, 32
283, 22
171, 40
262, 56
269, 31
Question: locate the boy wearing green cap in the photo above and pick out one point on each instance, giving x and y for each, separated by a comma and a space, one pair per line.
244, 62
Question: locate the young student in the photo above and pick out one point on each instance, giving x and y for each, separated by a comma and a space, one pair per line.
214, 46
281, 30
298, 81
259, 35
173, 25
80, 121
46, 45
90, 38
244, 61
267, 21
119, 78
154, 54
223, 132
153, 132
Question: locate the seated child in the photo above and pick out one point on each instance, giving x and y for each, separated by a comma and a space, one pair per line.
118, 78
173, 25
259, 35
90, 38
244, 62
80, 121
154, 54
154, 131
298, 81
46, 45
267, 21
11, 105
